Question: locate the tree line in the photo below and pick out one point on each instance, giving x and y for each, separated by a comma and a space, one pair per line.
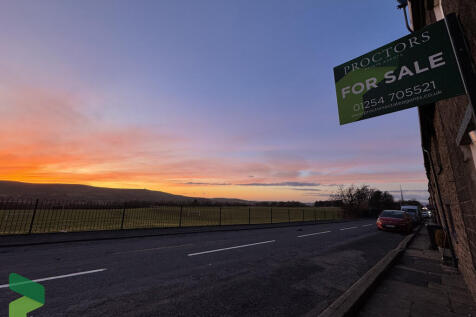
363, 201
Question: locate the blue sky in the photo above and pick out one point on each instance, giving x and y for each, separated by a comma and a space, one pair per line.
168, 94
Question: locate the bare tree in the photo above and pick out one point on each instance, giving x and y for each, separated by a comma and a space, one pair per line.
362, 201
348, 196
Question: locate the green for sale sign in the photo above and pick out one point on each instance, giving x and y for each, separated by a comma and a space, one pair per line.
415, 70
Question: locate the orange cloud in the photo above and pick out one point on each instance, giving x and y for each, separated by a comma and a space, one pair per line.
50, 136
45, 137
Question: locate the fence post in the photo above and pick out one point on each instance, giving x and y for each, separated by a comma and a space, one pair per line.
303, 215
249, 215
123, 215
271, 214
315, 217
220, 217
289, 216
33, 217
180, 218
325, 216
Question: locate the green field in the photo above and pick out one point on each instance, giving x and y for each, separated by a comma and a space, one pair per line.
69, 220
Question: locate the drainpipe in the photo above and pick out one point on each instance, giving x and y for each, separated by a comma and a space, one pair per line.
445, 225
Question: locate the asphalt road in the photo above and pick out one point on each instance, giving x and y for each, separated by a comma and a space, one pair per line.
290, 271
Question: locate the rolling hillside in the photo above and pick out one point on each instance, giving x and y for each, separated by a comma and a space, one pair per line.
19, 190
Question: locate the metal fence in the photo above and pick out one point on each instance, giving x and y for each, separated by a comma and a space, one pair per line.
35, 216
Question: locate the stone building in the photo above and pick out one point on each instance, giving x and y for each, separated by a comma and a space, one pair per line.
448, 138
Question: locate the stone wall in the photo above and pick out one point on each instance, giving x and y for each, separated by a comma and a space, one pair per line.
450, 166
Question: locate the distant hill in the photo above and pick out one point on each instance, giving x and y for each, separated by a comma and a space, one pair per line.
19, 190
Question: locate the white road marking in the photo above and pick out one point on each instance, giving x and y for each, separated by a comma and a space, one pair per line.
348, 228
155, 249
57, 277
312, 234
235, 247
371, 224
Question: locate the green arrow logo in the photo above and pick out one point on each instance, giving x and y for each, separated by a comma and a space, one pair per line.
33, 295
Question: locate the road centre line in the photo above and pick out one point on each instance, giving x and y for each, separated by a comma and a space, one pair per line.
155, 249
371, 224
312, 234
230, 248
348, 228
57, 277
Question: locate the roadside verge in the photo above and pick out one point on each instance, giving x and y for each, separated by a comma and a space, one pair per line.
348, 303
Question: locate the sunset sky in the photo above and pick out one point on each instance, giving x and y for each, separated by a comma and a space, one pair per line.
224, 98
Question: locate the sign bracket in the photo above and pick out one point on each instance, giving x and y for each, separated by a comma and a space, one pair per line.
463, 58
403, 5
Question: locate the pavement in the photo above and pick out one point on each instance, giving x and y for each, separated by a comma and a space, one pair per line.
289, 271
419, 284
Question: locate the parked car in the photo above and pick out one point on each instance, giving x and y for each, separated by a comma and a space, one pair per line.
414, 212
395, 220
425, 214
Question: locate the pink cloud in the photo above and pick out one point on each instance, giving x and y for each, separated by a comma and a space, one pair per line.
50, 136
